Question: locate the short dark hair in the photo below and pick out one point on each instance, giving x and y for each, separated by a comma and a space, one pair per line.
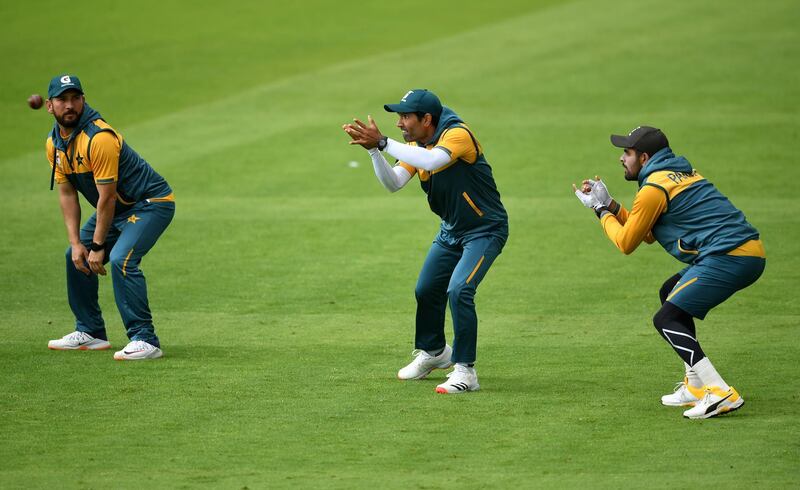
434, 117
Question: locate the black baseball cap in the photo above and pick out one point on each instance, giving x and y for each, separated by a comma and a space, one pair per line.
61, 83
646, 139
417, 100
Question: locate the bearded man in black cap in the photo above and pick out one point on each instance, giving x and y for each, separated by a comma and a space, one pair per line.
696, 224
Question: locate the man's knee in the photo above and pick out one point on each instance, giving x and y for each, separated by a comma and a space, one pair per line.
118, 260
667, 287
461, 293
670, 314
424, 290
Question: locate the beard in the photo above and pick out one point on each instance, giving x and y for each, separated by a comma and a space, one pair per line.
68, 123
632, 174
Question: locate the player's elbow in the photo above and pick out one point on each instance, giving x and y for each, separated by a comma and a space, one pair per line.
392, 187
107, 198
626, 248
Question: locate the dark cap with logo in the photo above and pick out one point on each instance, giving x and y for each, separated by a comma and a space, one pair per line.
646, 139
61, 83
417, 100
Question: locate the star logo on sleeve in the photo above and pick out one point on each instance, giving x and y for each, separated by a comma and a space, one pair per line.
133, 219
80, 160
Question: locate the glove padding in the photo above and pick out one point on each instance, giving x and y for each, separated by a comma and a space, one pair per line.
589, 200
600, 190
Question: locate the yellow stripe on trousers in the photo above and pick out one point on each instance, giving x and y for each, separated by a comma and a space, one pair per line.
125, 264
673, 293
475, 269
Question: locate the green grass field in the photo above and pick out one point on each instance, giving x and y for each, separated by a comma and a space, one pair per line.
283, 291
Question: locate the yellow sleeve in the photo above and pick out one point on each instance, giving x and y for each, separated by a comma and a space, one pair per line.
648, 205
622, 217
458, 143
104, 157
60, 177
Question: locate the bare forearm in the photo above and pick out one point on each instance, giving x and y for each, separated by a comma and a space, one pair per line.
105, 214
71, 210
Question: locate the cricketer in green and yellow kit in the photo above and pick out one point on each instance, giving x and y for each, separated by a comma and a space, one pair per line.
134, 206
458, 182
695, 223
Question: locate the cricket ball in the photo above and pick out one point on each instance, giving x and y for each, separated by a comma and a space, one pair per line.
35, 101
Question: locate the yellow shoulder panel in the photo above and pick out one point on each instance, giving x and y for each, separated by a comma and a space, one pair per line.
458, 142
673, 182
104, 125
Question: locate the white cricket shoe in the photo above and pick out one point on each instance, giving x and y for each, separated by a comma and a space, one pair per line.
460, 380
136, 350
424, 363
715, 402
683, 396
78, 341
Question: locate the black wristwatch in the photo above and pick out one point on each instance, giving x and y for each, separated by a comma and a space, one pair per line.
383, 142
96, 247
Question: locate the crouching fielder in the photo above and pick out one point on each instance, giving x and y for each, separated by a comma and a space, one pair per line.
460, 187
697, 225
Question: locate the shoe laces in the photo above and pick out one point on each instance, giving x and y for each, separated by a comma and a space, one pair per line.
138, 345
77, 336
421, 354
707, 397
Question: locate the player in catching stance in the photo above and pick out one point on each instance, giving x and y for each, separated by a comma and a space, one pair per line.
458, 182
697, 225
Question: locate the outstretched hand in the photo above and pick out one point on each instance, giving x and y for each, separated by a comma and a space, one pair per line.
362, 134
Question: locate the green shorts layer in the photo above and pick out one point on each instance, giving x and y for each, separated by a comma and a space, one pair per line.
711, 281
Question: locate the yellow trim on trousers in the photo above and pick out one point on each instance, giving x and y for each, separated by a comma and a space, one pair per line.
673, 293
125, 264
475, 269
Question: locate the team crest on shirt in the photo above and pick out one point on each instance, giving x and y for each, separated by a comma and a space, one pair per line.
58, 161
80, 160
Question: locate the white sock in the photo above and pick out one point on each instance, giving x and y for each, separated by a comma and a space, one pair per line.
692, 378
708, 375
